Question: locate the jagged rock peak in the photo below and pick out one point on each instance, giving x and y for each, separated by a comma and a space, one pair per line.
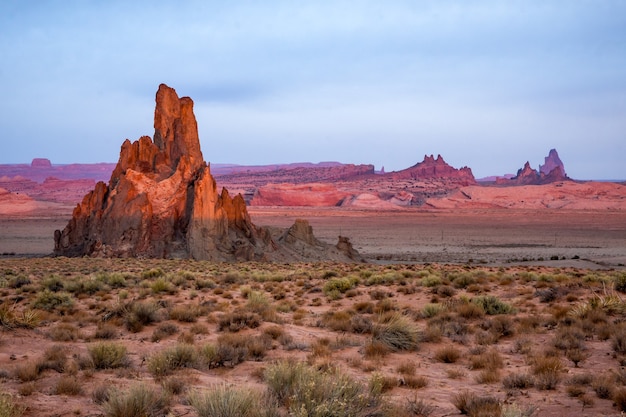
163, 202
551, 162
431, 168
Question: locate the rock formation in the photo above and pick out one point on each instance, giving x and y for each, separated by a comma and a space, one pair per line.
162, 201
552, 171
41, 163
551, 162
431, 168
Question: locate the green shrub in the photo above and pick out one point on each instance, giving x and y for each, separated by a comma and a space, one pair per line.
339, 285
108, 355
138, 401
397, 332
431, 281
140, 314
48, 300
492, 305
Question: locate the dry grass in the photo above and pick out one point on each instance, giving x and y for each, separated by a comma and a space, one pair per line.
153, 320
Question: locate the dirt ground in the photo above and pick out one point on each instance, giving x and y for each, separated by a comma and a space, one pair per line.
584, 239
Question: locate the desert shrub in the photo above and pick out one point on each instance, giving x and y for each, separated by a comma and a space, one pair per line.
164, 330
138, 401
107, 355
162, 285
397, 332
463, 280
406, 368
307, 391
174, 385
140, 314
11, 318
477, 406
53, 283
49, 301
68, 385
54, 358
603, 386
492, 305
105, 331
514, 410
470, 310
113, 279
185, 313
18, 281
360, 324
376, 349
101, 393
9, 407
339, 285
619, 282
417, 407
226, 401
619, 398
414, 382
364, 307
448, 354
618, 341
518, 381
165, 362
64, 332
431, 310
274, 331
488, 376
490, 359
152, 273
27, 372
500, 326
338, 321
431, 281
238, 320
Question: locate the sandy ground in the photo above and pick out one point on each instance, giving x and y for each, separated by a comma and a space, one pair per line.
584, 239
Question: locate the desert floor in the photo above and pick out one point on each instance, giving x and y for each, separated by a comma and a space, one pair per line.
518, 311
585, 239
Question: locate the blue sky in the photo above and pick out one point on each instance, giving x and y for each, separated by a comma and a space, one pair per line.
487, 84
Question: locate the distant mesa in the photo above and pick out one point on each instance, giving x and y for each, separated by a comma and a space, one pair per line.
162, 202
551, 171
431, 168
41, 163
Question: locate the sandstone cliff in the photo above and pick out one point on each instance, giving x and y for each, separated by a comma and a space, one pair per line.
162, 201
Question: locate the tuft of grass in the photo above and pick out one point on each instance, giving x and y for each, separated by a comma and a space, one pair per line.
227, 401
397, 332
138, 401
308, 391
238, 320
9, 407
448, 354
68, 385
140, 314
492, 305
167, 361
518, 381
106, 355
477, 406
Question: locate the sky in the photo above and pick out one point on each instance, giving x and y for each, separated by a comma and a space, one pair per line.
486, 84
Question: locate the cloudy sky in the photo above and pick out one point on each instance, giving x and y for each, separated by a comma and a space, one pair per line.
487, 84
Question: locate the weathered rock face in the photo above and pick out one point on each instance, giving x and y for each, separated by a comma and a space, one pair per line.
552, 171
162, 201
431, 168
552, 162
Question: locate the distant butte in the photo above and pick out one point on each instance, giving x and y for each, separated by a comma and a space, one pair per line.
553, 170
162, 202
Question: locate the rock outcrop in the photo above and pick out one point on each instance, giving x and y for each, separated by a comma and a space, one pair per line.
431, 168
552, 171
162, 202
552, 162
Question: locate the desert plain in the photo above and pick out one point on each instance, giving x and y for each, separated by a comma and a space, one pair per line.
482, 312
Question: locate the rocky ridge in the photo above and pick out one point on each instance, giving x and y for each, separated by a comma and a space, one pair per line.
162, 202
552, 171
